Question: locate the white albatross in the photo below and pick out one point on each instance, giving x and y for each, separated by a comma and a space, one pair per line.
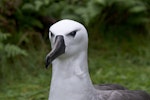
70, 75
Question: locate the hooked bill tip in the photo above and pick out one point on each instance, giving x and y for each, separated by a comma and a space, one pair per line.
46, 66
47, 62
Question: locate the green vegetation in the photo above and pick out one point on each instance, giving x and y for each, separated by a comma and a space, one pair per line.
119, 45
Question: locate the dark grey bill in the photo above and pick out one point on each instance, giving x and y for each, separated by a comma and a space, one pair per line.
57, 50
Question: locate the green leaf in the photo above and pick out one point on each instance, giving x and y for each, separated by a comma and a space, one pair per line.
38, 4
137, 9
37, 23
46, 2
101, 2
13, 50
4, 36
28, 6
1, 47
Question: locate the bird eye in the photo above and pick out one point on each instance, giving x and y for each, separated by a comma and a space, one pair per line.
52, 35
73, 33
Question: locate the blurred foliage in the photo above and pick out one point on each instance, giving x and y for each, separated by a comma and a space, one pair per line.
105, 14
7, 53
9, 50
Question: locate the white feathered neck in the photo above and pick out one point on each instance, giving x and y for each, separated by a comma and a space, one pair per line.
70, 79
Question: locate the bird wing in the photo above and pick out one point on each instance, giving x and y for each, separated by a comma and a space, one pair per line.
123, 95
110, 87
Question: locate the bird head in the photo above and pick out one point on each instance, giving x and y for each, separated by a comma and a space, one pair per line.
68, 38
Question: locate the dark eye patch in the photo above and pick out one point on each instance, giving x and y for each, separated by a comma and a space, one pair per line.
52, 35
72, 34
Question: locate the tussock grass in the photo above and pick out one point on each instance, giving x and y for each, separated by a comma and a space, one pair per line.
125, 62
